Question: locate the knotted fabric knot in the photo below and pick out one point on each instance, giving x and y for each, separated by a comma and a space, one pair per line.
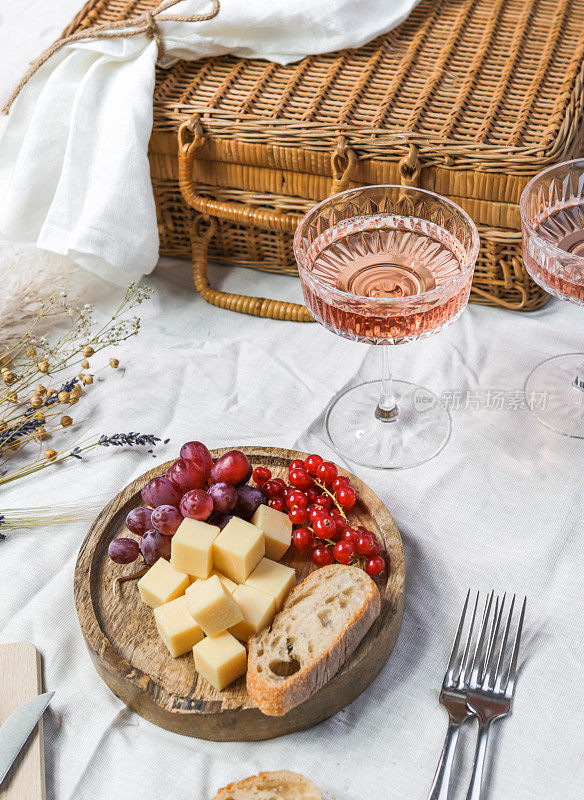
152, 31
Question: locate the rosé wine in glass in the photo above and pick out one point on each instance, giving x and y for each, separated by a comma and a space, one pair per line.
386, 265
552, 218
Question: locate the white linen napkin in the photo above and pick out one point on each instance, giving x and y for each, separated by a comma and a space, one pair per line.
74, 172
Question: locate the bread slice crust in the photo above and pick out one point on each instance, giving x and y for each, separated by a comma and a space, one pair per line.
320, 625
280, 784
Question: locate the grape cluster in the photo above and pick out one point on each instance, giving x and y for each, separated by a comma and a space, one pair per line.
194, 486
317, 499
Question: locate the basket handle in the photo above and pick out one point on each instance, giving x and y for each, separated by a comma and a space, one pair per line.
255, 306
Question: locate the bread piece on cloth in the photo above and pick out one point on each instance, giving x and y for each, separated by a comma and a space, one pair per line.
321, 623
281, 785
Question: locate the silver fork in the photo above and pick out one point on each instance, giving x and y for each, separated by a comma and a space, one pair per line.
491, 686
453, 697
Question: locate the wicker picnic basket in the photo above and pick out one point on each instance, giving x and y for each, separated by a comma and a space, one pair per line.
467, 98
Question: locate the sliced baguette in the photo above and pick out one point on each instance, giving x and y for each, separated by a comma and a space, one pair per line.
280, 785
321, 623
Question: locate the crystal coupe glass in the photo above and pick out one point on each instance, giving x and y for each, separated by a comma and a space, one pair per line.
552, 218
386, 265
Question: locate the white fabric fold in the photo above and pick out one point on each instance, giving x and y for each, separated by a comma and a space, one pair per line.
74, 172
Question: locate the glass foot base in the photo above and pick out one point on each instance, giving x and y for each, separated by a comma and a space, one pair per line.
554, 398
419, 432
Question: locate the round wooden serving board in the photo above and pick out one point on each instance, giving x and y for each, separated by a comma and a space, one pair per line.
130, 657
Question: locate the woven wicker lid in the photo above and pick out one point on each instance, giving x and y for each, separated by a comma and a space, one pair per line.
492, 85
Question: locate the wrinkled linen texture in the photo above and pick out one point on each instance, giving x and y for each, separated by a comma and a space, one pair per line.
501, 507
74, 172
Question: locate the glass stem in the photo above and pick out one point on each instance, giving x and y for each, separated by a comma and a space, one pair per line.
578, 381
387, 409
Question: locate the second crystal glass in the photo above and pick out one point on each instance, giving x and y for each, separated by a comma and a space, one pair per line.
386, 265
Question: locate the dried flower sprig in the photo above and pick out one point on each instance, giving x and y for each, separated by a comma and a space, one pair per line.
84, 510
31, 412
57, 457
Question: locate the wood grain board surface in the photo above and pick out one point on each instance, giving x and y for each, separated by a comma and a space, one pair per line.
20, 680
129, 655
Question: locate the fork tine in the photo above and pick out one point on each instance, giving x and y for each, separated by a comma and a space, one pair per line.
488, 668
513, 668
462, 673
499, 668
455, 647
479, 652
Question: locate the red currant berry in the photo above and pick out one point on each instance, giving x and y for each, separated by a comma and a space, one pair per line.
299, 478
363, 531
375, 566
326, 472
324, 527
340, 483
297, 515
311, 495
344, 551
340, 526
346, 497
351, 535
316, 512
324, 501
321, 556
294, 497
303, 539
298, 463
277, 503
260, 475
272, 489
368, 546
312, 463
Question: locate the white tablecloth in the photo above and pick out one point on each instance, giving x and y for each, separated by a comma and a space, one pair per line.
500, 507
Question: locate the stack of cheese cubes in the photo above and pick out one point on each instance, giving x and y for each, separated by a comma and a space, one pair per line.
220, 588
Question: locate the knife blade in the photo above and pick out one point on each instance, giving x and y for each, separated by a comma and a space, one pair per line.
16, 729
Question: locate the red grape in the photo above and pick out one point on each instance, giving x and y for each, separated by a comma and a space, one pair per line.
321, 556
186, 475
197, 452
277, 503
299, 478
303, 539
344, 551
298, 463
161, 492
339, 483
261, 475
296, 498
375, 566
138, 520
324, 527
311, 463
166, 520
154, 546
196, 504
324, 501
249, 499
346, 497
326, 472
368, 546
224, 497
232, 467
220, 520
123, 551
297, 515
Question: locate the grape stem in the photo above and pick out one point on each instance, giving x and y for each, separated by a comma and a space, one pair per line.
133, 577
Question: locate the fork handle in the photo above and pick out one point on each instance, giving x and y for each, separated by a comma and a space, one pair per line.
476, 781
441, 783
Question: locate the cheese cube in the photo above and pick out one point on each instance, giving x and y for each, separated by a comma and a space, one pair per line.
191, 550
178, 630
161, 584
258, 609
277, 530
212, 606
229, 584
273, 578
220, 659
238, 549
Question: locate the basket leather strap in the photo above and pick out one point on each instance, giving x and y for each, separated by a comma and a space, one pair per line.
201, 231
